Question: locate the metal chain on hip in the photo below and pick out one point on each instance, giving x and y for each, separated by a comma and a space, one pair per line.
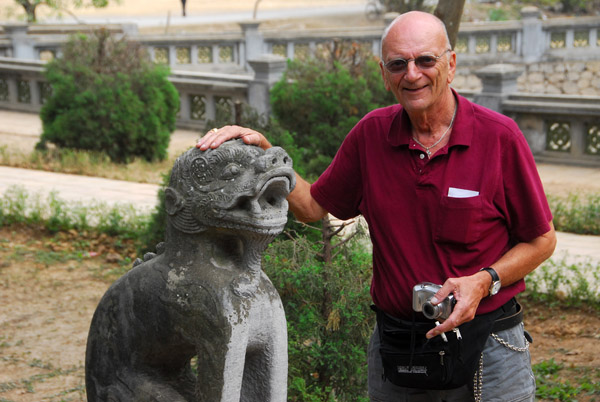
478, 377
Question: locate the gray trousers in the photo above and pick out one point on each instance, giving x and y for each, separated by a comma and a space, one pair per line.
507, 375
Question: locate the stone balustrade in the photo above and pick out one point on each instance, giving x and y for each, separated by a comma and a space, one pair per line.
202, 94
551, 67
559, 128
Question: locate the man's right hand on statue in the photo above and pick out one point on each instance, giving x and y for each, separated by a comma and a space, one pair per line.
217, 136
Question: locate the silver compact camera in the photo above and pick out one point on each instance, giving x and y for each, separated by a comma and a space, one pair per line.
422, 294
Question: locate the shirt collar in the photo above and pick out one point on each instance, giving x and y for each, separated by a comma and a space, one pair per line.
462, 131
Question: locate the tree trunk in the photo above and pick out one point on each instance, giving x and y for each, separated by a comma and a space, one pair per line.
29, 9
255, 11
450, 11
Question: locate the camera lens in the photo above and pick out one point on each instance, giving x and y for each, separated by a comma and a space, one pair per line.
430, 311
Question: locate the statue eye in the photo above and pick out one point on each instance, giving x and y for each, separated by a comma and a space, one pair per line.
231, 171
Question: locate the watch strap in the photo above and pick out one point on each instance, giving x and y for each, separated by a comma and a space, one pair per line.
495, 285
492, 272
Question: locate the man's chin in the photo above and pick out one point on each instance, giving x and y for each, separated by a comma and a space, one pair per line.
414, 105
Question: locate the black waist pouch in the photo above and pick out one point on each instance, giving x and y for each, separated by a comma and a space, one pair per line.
411, 360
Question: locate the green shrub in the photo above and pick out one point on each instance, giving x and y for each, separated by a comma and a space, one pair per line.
576, 214
154, 232
565, 283
108, 96
320, 104
498, 14
54, 214
329, 320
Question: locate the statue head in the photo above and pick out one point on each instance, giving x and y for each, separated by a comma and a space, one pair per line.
234, 187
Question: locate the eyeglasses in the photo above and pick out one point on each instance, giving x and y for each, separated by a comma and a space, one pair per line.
399, 66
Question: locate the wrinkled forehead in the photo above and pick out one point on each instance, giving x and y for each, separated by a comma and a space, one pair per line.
414, 35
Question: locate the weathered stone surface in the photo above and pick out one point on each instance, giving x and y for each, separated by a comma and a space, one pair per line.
557, 78
536, 78
552, 89
570, 88
203, 294
583, 84
593, 66
589, 91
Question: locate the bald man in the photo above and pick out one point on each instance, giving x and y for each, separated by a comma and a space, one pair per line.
451, 195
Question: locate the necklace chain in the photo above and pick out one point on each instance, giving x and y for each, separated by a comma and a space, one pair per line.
427, 149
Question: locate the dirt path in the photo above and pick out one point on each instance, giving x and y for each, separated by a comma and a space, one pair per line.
47, 298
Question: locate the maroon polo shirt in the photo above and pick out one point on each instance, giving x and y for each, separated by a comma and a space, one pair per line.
433, 219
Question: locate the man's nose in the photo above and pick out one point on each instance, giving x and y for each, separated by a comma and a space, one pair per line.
412, 71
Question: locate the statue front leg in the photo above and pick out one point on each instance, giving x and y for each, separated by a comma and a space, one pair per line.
265, 373
221, 367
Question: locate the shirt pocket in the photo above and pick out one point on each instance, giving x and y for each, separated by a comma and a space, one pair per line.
459, 220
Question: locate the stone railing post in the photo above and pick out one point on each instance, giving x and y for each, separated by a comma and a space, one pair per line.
532, 42
22, 45
268, 69
253, 42
498, 82
389, 17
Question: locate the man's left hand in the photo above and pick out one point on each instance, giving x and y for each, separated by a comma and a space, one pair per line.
468, 292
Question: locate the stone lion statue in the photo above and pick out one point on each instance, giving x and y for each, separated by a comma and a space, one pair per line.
203, 299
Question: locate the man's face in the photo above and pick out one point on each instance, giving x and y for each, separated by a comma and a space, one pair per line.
418, 88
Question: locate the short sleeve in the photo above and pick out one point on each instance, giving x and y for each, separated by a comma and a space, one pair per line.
528, 212
339, 188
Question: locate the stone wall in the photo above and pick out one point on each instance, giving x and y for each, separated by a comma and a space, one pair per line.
552, 78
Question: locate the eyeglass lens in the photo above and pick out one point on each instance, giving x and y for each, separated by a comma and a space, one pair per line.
400, 65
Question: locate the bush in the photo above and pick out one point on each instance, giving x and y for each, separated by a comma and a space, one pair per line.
320, 102
54, 214
108, 96
576, 213
329, 320
155, 230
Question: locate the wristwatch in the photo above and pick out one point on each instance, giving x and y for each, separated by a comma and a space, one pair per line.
496, 284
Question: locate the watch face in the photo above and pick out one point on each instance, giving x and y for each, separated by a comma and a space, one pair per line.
495, 288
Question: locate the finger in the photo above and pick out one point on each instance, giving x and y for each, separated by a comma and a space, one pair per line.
443, 292
446, 326
208, 138
217, 136
463, 311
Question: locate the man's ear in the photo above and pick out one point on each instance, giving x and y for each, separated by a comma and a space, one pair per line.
173, 201
451, 67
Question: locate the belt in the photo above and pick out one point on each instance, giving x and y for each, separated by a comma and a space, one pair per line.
510, 319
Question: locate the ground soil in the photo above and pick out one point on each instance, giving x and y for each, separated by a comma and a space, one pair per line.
51, 284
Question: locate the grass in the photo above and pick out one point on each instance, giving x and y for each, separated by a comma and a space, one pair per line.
567, 283
576, 214
28, 384
86, 163
556, 382
17, 206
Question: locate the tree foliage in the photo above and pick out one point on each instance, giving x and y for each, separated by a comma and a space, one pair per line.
319, 103
329, 320
570, 6
108, 96
31, 6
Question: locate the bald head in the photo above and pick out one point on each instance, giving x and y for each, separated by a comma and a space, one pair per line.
416, 22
